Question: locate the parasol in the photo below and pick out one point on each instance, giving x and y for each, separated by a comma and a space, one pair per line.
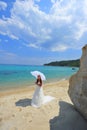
36, 73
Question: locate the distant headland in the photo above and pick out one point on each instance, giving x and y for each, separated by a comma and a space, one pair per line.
69, 63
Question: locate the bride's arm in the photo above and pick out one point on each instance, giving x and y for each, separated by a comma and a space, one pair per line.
39, 84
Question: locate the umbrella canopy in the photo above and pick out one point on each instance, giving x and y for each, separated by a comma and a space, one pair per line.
36, 73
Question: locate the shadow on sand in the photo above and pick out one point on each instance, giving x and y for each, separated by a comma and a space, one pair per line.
23, 102
68, 119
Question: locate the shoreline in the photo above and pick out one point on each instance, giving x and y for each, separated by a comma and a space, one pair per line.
27, 83
23, 89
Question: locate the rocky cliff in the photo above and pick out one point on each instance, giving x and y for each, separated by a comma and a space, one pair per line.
78, 85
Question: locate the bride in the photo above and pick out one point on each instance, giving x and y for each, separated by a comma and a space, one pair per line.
38, 96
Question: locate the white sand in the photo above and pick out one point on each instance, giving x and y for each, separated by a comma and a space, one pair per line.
16, 112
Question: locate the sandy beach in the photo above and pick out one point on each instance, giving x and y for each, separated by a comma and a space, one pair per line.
16, 112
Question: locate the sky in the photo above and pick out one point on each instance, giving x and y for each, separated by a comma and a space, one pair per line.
35, 32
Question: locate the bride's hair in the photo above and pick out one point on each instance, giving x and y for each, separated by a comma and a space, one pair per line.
39, 80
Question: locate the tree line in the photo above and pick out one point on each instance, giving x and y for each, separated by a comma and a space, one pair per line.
70, 63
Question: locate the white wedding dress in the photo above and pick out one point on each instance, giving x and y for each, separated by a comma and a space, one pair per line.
39, 98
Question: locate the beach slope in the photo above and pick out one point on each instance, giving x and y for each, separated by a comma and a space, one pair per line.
16, 112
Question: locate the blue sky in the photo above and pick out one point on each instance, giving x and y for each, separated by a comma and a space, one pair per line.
40, 31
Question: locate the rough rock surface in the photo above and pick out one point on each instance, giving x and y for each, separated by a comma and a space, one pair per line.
78, 85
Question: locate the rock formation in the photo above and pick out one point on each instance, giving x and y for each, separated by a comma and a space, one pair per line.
78, 85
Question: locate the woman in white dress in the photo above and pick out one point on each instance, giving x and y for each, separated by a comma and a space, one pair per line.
38, 96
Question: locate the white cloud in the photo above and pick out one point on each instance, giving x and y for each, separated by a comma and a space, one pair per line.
6, 40
53, 1
37, 0
5, 53
31, 45
12, 58
65, 23
59, 47
1, 51
3, 5
82, 27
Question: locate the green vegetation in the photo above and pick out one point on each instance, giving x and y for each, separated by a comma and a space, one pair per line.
70, 63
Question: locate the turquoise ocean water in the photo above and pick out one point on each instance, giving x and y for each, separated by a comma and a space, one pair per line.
15, 76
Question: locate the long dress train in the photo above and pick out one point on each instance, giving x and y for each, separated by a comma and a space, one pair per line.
39, 98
